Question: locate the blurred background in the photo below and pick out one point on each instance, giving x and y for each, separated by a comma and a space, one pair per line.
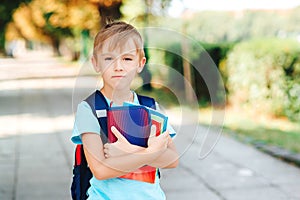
255, 46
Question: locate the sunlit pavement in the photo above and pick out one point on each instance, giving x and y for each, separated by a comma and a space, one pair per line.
36, 155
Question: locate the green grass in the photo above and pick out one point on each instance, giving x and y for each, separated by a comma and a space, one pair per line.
259, 134
258, 128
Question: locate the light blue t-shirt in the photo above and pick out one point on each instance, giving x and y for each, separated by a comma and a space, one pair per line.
114, 188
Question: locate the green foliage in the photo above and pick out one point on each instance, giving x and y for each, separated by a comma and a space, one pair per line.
133, 10
173, 59
262, 75
55, 31
165, 96
204, 58
222, 26
292, 103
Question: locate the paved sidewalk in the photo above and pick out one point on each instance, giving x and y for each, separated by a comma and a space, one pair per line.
36, 154
34, 67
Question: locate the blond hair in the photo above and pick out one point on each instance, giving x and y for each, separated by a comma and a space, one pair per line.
117, 34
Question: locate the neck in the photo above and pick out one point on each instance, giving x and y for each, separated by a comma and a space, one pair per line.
117, 96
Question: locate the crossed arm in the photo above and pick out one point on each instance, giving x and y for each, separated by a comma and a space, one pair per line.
119, 158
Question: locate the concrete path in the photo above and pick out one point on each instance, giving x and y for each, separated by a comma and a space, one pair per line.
36, 155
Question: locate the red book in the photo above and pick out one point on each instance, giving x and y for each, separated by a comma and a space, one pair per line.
134, 123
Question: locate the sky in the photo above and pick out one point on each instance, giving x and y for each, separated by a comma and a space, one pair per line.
178, 5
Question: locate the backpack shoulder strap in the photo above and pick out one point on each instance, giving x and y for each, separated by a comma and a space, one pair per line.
91, 101
146, 101
81, 172
97, 102
99, 107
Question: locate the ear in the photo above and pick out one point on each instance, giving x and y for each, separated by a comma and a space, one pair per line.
142, 64
95, 65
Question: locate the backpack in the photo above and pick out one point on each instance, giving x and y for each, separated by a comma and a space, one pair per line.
81, 172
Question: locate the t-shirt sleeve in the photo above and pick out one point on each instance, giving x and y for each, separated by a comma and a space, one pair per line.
169, 127
85, 121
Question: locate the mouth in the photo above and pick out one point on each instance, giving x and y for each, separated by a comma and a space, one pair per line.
119, 76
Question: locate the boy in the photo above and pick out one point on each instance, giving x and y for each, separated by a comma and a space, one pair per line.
118, 55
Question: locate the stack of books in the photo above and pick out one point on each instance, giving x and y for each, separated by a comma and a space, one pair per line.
134, 123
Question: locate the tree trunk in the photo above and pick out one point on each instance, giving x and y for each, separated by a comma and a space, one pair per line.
55, 46
2, 41
111, 12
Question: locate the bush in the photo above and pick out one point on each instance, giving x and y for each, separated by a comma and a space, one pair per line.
292, 102
262, 74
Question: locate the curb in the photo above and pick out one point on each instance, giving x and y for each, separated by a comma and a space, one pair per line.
278, 152
271, 150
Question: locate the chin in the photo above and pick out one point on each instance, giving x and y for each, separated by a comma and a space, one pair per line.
120, 86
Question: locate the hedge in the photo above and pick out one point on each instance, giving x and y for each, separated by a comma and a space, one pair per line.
263, 74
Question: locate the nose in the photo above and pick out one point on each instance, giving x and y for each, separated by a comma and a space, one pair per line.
118, 65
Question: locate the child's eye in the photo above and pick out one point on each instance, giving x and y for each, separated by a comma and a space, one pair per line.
127, 59
108, 58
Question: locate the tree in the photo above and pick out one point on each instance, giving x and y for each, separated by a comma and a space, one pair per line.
51, 21
108, 9
7, 8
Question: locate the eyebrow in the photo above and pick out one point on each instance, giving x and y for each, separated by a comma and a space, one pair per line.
128, 54
110, 54
105, 54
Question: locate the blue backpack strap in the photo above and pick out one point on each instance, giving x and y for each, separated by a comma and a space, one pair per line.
82, 173
99, 106
147, 101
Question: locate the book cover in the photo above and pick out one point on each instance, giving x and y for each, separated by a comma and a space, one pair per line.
158, 119
134, 123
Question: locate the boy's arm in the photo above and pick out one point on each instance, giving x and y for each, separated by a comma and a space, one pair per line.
105, 168
168, 159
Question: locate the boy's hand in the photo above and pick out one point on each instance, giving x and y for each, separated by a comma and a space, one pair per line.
120, 147
157, 143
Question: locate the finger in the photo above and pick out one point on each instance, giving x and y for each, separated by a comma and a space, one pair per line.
105, 151
152, 131
167, 132
170, 140
117, 134
164, 135
107, 146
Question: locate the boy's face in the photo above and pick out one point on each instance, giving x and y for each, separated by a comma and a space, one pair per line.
120, 65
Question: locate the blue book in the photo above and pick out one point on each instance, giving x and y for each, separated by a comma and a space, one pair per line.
133, 122
158, 119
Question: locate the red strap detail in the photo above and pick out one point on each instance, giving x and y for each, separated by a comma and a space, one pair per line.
78, 155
